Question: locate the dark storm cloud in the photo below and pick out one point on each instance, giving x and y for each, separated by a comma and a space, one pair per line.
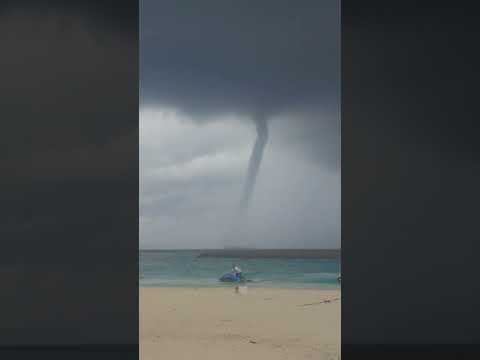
233, 60
240, 56
315, 133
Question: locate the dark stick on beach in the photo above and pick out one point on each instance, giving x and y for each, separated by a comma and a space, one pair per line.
321, 302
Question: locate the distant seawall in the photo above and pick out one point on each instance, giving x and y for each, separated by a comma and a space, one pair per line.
326, 254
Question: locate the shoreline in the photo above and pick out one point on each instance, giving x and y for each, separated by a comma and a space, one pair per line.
231, 288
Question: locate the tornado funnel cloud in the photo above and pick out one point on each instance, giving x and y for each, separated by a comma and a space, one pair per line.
255, 161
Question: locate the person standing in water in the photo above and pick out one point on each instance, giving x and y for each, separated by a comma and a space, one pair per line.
237, 272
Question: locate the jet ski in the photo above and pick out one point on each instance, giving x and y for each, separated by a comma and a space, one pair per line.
230, 277
234, 276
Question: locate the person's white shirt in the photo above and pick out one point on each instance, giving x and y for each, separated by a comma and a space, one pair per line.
237, 269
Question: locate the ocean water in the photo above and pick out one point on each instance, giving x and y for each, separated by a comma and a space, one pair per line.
183, 268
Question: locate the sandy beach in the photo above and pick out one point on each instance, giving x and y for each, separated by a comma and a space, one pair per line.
218, 323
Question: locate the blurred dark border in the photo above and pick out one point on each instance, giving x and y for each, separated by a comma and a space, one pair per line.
410, 175
69, 164
406, 351
74, 352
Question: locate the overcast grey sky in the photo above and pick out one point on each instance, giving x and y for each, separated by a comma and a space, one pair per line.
205, 70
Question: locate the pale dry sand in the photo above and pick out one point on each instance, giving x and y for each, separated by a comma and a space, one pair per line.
211, 324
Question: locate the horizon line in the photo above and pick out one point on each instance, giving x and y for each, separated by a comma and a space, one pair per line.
233, 248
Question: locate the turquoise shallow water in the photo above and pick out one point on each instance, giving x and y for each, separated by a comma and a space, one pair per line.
183, 268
